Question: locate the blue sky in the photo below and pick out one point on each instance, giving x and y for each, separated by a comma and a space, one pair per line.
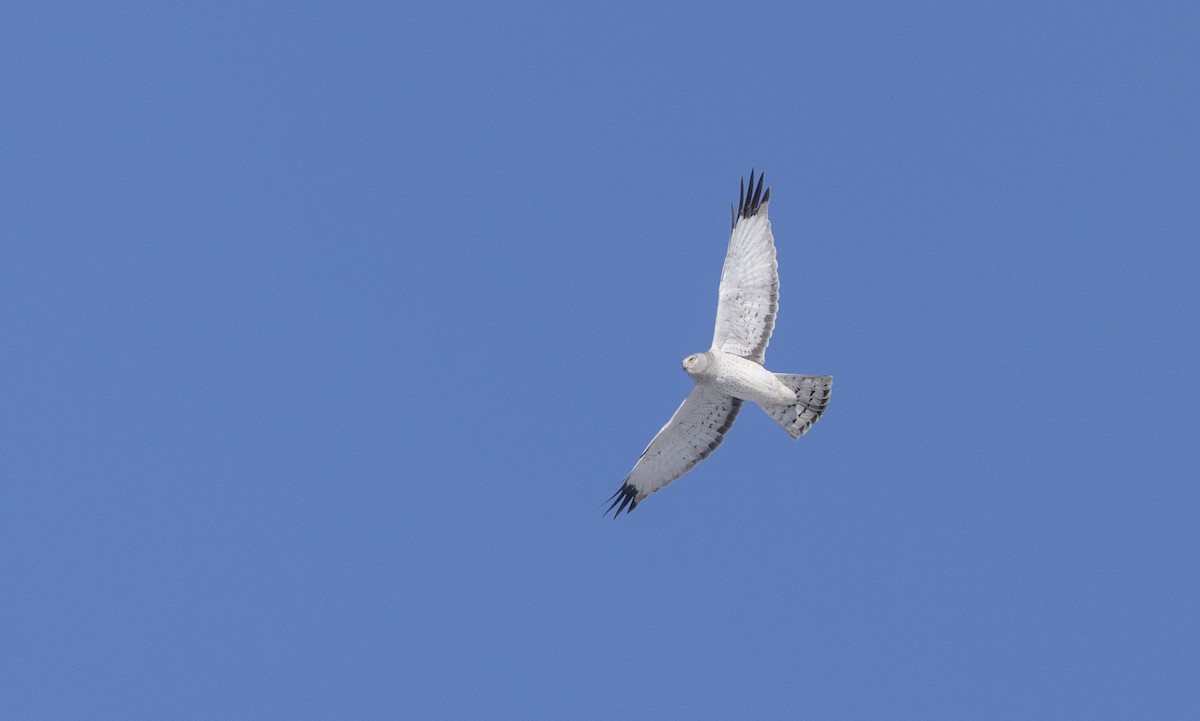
328, 329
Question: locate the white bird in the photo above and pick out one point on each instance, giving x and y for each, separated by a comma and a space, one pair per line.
731, 371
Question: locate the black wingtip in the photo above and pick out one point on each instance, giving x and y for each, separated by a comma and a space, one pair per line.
625, 499
751, 197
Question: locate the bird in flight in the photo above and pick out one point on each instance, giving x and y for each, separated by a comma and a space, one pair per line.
731, 371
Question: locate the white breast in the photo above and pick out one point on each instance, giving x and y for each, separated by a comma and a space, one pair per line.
748, 380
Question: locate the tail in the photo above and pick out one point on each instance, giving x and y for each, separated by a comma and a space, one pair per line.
812, 395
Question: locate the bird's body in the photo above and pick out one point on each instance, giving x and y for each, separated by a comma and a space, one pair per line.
732, 370
735, 376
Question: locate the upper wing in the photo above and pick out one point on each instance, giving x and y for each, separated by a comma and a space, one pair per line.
696, 429
749, 295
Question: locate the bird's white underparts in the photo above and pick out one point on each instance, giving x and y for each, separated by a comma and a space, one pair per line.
731, 371
735, 376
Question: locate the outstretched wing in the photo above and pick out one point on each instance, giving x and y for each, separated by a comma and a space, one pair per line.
696, 429
749, 295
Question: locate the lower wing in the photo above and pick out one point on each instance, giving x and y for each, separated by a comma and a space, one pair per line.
694, 432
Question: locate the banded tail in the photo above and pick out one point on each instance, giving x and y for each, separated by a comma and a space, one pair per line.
812, 395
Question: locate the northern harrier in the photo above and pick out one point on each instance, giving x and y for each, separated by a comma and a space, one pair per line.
731, 371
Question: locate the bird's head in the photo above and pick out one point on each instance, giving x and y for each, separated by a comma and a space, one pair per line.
696, 364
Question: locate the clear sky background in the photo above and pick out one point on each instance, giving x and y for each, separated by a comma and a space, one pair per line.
327, 331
